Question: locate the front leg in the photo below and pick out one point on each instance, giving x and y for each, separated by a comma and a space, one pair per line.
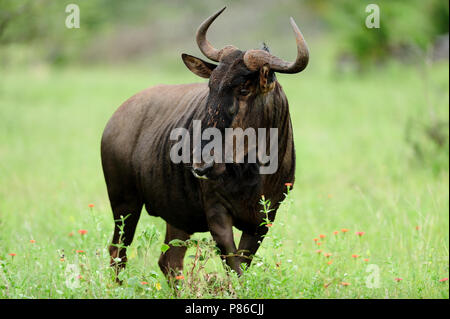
220, 224
250, 243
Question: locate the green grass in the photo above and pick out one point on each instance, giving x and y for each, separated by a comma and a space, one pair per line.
355, 170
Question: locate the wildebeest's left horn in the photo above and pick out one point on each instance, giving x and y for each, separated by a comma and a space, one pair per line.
207, 49
255, 59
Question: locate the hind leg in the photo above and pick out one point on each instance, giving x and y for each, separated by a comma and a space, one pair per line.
126, 202
117, 147
171, 262
130, 209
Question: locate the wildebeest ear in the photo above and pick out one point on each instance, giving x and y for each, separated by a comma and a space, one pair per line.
198, 66
266, 79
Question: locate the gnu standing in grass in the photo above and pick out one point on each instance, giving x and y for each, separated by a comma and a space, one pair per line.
213, 196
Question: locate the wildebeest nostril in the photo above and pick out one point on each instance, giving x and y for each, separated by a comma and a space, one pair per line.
203, 170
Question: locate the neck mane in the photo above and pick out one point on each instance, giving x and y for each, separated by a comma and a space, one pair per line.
243, 178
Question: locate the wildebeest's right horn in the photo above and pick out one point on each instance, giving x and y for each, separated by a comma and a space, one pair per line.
255, 59
207, 49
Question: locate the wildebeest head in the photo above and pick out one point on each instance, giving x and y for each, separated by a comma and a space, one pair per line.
239, 84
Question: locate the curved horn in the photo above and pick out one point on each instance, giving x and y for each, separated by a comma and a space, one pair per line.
207, 49
255, 59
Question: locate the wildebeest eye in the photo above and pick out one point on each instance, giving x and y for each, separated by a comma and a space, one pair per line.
244, 92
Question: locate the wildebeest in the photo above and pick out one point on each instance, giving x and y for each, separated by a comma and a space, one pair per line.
242, 91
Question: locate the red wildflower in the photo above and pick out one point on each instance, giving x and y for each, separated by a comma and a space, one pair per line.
443, 280
398, 279
335, 232
355, 256
70, 234
345, 283
144, 283
360, 233
268, 225
79, 251
322, 236
180, 277
327, 254
12, 254
318, 251
316, 239
366, 259
91, 205
344, 230
417, 227
32, 241
83, 231
318, 243
330, 262
288, 184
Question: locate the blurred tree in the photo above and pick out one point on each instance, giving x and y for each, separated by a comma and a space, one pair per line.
407, 28
41, 23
